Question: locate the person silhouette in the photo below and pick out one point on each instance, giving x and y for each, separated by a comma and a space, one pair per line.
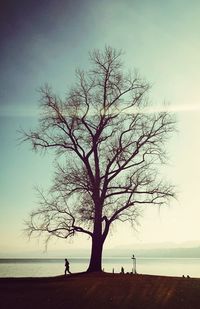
67, 267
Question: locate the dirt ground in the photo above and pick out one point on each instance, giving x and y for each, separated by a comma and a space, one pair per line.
100, 290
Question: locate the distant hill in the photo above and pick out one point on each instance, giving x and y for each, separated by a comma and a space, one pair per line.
161, 252
164, 250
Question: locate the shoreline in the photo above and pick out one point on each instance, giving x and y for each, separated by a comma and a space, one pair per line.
100, 290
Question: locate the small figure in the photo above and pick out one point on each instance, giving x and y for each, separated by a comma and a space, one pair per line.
67, 267
122, 270
113, 270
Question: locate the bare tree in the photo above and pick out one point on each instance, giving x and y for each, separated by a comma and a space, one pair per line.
109, 150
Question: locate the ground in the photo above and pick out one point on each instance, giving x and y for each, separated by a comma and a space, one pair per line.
100, 290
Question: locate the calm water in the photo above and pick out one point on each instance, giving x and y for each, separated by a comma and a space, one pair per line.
53, 267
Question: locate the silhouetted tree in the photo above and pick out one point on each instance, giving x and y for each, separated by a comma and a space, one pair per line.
109, 146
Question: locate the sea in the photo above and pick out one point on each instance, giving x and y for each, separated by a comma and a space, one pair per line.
47, 267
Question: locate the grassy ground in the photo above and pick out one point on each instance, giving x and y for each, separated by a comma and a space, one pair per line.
100, 290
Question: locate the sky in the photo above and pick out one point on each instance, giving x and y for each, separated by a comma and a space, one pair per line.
45, 41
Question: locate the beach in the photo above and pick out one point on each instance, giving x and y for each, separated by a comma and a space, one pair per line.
100, 290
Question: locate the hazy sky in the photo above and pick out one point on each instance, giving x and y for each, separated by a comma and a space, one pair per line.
45, 41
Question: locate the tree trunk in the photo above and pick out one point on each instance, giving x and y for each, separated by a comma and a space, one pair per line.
97, 242
96, 255
98, 239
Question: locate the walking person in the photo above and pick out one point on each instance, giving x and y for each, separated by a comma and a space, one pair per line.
67, 267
